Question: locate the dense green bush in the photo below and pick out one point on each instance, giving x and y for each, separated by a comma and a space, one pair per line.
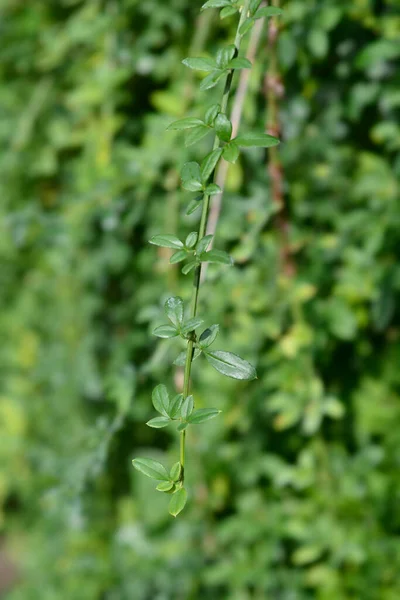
295, 488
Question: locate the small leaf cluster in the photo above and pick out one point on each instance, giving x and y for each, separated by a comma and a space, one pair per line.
197, 129
231, 7
224, 61
224, 362
196, 252
179, 409
170, 482
177, 325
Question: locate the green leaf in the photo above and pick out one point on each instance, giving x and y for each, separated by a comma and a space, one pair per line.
239, 63
194, 205
158, 422
204, 243
192, 186
165, 486
224, 55
254, 4
209, 163
231, 365
216, 4
151, 468
187, 407
189, 266
223, 127
181, 358
268, 11
178, 256
203, 414
175, 406
200, 64
228, 11
182, 426
191, 239
211, 80
175, 471
166, 241
246, 25
187, 123
165, 331
191, 170
160, 399
174, 310
260, 140
208, 336
196, 134
191, 324
178, 501
211, 114
216, 256
191, 177
212, 189
231, 152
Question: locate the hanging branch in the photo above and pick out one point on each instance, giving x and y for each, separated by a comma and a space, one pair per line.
201, 179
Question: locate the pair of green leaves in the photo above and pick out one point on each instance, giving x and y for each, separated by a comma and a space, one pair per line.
204, 341
178, 326
196, 129
195, 177
258, 13
195, 417
224, 61
183, 249
169, 482
177, 408
197, 252
169, 408
230, 7
171, 241
231, 150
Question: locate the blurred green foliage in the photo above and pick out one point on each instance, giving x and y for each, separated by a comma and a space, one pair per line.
295, 489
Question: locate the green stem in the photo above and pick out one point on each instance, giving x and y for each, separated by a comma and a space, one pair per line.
202, 231
202, 30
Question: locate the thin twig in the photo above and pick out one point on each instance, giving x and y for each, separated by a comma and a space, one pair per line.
202, 31
202, 231
236, 116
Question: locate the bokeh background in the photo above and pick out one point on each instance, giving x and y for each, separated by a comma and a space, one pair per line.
295, 488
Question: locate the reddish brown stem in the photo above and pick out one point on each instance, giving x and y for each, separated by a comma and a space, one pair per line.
275, 90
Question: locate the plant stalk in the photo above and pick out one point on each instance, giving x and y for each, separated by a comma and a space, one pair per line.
202, 30
202, 231
236, 115
275, 90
